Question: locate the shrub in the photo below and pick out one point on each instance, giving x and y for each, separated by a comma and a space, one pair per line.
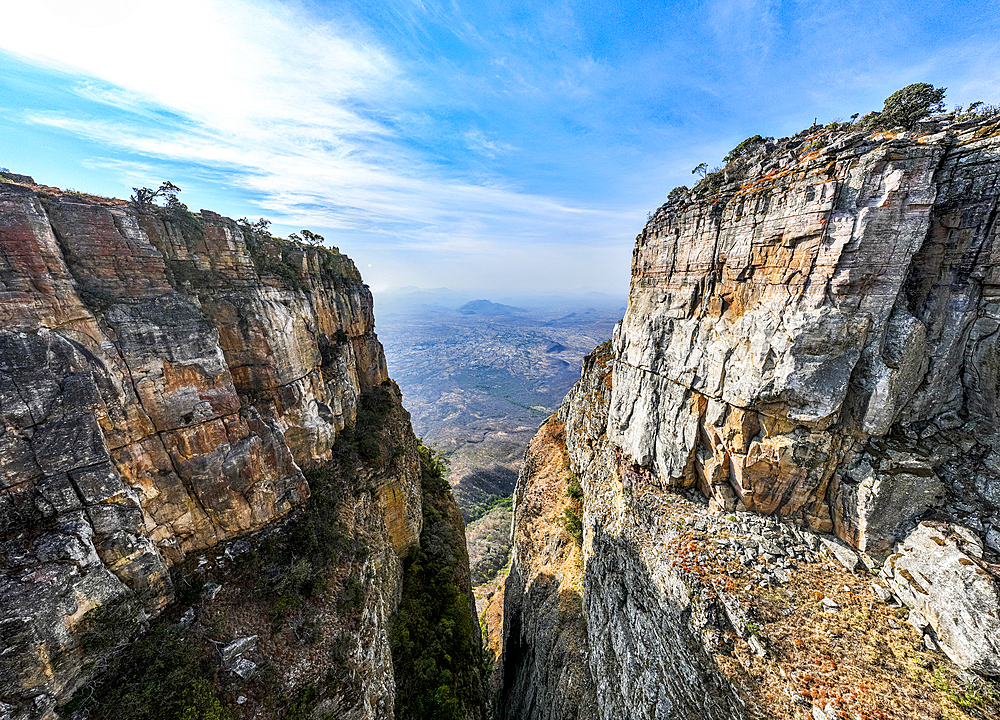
145, 198
302, 708
435, 651
352, 596
906, 107
678, 193
711, 183
177, 212
975, 111
747, 146
262, 245
162, 674
574, 526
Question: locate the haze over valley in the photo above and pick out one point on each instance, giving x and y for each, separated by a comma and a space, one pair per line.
549, 360
478, 377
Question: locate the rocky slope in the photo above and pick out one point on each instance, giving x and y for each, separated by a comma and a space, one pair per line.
165, 380
812, 338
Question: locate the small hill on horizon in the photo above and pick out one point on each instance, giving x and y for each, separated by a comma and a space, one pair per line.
487, 307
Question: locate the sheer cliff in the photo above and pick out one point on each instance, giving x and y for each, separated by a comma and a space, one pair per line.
187, 402
803, 392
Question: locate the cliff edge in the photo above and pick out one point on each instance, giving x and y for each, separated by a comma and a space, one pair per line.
803, 392
168, 380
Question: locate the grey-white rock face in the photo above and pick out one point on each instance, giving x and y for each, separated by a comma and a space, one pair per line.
645, 648
819, 342
643, 639
816, 342
938, 570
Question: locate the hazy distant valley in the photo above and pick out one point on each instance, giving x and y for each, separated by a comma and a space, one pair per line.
478, 377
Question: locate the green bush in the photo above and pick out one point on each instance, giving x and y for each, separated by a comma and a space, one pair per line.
976, 111
573, 488
302, 708
906, 107
574, 526
711, 184
435, 651
163, 674
352, 596
270, 255
678, 193
747, 146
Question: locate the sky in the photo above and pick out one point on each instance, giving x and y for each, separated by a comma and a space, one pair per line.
504, 145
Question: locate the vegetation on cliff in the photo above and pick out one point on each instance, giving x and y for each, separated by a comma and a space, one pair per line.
298, 589
436, 651
901, 111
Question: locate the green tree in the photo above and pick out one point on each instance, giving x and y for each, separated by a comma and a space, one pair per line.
906, 107
748, 145
145, 197
312, 238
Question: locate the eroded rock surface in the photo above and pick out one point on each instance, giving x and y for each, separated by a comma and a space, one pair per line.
164, 378
939, 571
818, 340
811, 349
544, 664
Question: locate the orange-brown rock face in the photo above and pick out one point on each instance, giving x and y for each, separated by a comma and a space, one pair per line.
818, 339
163, 379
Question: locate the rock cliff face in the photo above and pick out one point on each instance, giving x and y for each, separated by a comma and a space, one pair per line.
544, 634
813, 340
165, 378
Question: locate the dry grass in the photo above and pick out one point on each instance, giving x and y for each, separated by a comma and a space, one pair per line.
864, 660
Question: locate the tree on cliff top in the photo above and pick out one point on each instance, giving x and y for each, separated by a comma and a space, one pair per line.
145, 197
747, 146
906, 107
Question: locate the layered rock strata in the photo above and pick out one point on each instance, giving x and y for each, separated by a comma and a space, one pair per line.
818, 340
164, 377
690, 613
813, 341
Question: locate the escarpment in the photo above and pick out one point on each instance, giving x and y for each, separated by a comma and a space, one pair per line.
803, 390
168, 380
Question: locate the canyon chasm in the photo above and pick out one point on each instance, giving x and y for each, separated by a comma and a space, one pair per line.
774, 493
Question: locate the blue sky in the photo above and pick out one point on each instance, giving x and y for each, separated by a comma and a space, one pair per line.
478, 146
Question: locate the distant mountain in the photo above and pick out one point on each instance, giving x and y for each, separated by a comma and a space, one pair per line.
478, 378
486, 307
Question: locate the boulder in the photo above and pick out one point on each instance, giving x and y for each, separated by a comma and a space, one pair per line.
957, 593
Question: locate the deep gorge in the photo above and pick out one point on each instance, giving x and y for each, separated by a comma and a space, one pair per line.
774, 493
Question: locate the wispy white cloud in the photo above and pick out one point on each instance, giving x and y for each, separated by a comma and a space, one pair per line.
296, 111
745, 28
477, 141
469, 142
